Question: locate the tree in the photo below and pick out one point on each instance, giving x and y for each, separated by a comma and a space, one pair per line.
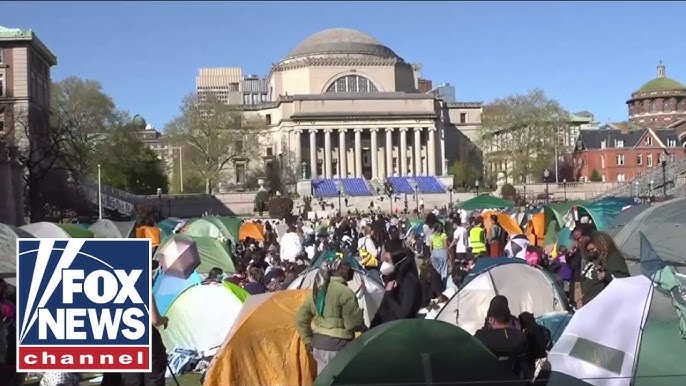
215, 134
595, 176
519, 133
464, 173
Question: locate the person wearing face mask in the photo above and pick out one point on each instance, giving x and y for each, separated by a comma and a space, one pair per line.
403, 297
592, 276
330, 316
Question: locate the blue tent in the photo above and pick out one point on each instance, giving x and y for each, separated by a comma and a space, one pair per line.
167, 288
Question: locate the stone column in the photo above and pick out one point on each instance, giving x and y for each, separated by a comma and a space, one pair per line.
342, 154
444, 164
431, 151
403, 151
389, 152
358, 153
375, 154
313, 154
297, 157
417, 151
327, 153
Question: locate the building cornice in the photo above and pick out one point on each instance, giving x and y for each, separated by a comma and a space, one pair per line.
464, 104
334, 62
17, 35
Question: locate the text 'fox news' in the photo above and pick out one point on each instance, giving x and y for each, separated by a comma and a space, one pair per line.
83, 305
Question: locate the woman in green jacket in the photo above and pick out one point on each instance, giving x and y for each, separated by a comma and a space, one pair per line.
328, 319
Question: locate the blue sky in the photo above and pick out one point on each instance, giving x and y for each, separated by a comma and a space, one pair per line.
587, 55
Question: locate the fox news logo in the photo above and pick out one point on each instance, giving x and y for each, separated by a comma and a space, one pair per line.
82, 305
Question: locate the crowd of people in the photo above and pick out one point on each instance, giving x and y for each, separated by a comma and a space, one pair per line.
415, 266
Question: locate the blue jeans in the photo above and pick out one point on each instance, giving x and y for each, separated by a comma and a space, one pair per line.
439, 259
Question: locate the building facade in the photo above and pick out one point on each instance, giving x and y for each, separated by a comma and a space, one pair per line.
25, 64
342, 104
621, 152
232, 87
659, 103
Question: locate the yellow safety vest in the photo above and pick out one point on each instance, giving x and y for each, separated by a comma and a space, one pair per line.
475, 240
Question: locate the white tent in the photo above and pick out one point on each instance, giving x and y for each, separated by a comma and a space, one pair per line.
369, 292
112, 229
46, 230
8, 251
526, 288
200, 318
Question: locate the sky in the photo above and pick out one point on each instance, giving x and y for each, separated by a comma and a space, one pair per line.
587, 55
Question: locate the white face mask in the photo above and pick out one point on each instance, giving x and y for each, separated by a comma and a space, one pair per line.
387, 268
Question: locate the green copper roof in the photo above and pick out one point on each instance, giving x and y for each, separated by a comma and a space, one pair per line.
662, 84
16, 34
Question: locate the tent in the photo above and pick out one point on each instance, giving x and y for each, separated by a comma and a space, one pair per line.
167, 227
535, 229
625, 217
76, 231
252, 230
632, 333
8, 251
201, 317
664, 225
167, 288
113, 229
369, 292
486, 201
415, 352
233, 225
208, 226
527, 288
46, 230
212, 253
263, 346
558, 211
505, 220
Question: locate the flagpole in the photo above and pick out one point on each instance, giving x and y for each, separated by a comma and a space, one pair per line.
99, 194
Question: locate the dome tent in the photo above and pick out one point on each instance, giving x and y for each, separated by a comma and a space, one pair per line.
415, 352
8, 251
211, 251
113, 229
526, 288
201, 317
369, 292
643, 345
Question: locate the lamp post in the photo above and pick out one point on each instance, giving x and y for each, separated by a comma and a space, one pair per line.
564, 187
159, 201
389, 192
451, 197
525, 195
638, 191
416, 196
546, 174
339, 201
664, 176
99, 194
651, 188
476, 183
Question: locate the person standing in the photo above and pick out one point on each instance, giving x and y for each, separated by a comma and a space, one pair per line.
439, 252
403, 296
460, 240
329, 317
496, 238
477, 240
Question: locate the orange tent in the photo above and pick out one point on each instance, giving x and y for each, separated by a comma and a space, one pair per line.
263, 346
506, 221
535, 229
251, 229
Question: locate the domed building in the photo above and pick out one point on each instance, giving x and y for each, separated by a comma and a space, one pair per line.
341, 104
659, 103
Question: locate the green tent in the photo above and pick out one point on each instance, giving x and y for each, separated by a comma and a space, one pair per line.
415, 352
486, 201
213, 254
76, 231
208, 226
167, 227
559, 210
233, 225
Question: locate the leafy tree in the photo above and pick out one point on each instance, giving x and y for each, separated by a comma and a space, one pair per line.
215, 134
519, 133
280, 207
464, 173
595, 176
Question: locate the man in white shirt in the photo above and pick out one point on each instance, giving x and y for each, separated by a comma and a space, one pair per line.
460, 241
291, 245
366, 243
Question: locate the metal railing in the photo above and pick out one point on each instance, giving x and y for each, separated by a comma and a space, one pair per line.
672, 172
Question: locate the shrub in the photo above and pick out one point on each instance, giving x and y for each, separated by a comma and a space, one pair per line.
595, 176
280, 207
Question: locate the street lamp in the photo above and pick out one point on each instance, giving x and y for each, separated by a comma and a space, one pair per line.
651, 188
159, 201
451, 197
416, 196
476, 183
389, 192
564, 187
546, 174
638, 191
99, 194
525, 194
663, 162
339, 201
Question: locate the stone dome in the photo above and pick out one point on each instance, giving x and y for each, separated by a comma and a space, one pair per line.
341, 42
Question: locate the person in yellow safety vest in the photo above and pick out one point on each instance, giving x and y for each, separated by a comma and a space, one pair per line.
477, 238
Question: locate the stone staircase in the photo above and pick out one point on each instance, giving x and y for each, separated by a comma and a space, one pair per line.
675, 177
113, 199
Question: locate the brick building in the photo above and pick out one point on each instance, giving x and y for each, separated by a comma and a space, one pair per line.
659, 103
619, 152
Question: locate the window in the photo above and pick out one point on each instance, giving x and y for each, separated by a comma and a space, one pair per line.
2, 86
671, 143
463, 117
233, 86
649, 160
649, 141
1, 56
620, 159
619, 143
639, 159
2, 124
665, 105
621, 177
653, 106
268, 118
602, 162
602, 178
240, 174
352, 83
681, 105
603, 144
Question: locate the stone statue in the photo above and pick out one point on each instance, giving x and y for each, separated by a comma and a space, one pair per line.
499, 182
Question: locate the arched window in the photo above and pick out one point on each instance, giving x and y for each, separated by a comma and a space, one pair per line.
681, 105
352, 83
653, 106
666, 105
